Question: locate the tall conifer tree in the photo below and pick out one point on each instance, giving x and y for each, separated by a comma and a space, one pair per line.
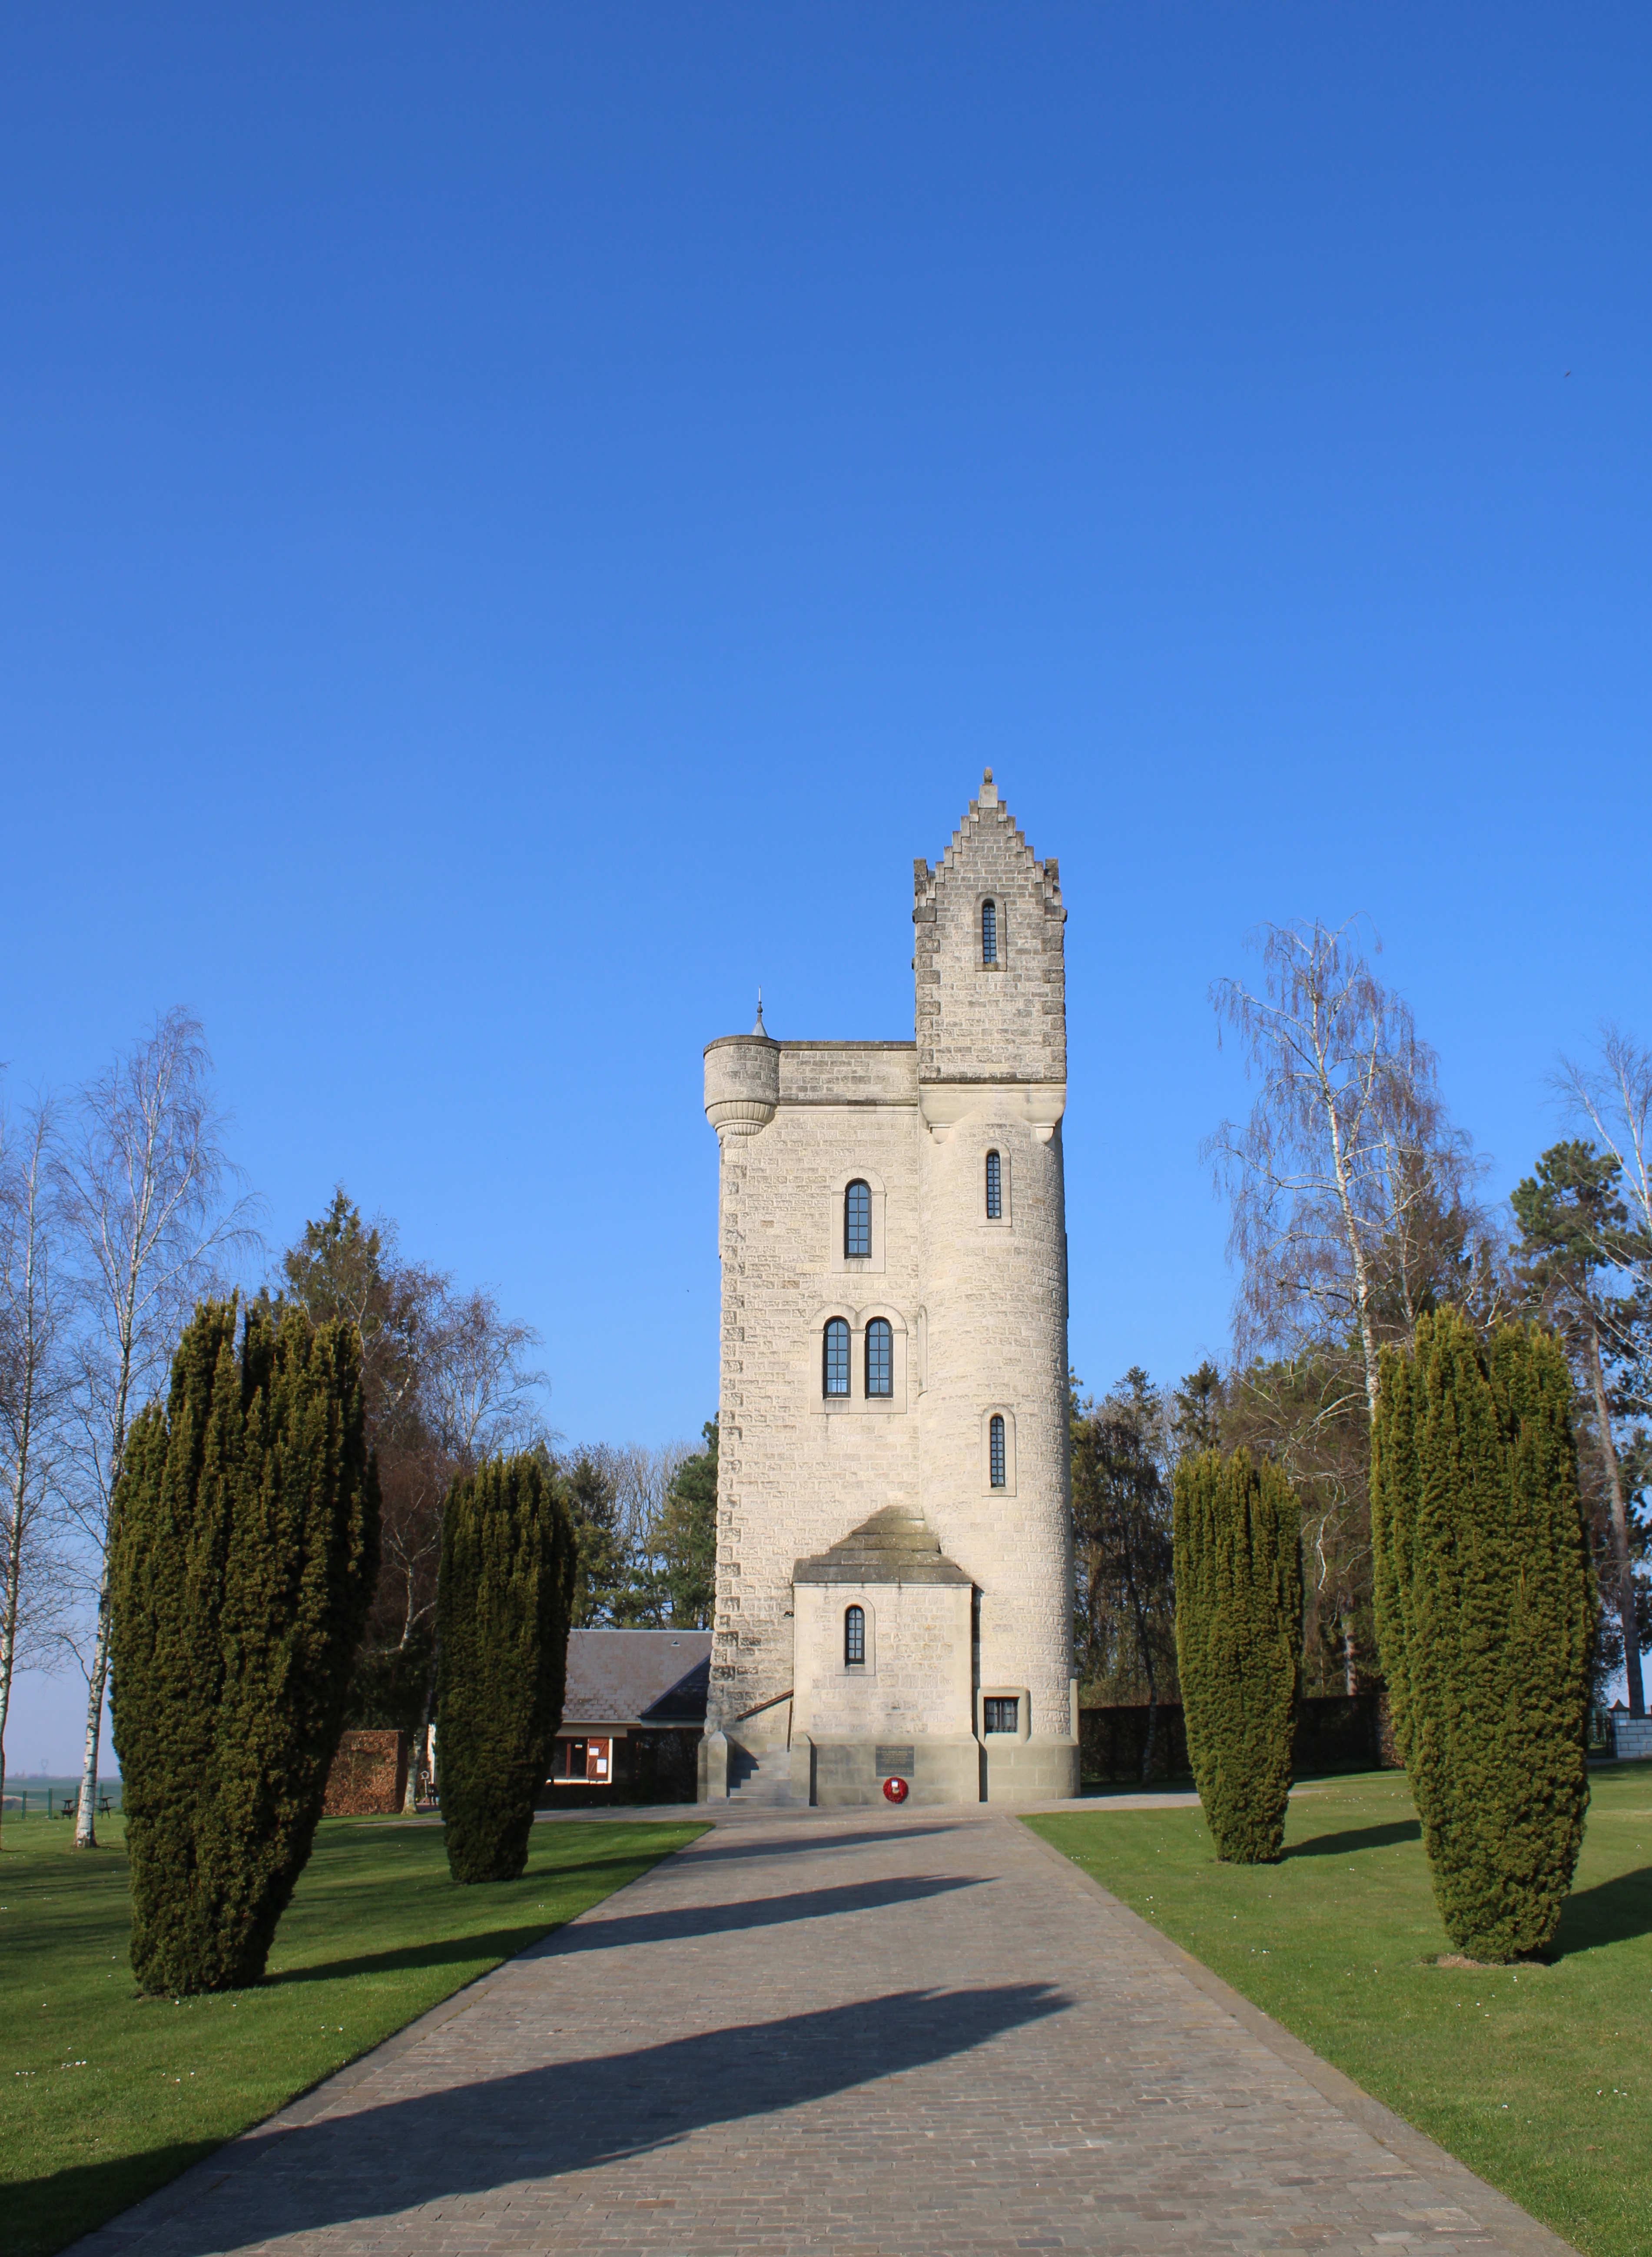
245, 1550
504, 1603
1485, 1603
1238, 1573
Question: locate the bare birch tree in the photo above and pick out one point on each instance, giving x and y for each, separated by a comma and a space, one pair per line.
1354, 1211
1350, 1192
485, 1395
146, 1194
1615, 1097
34, 1387
1614, 1094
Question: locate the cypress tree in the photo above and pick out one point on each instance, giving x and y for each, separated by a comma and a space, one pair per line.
503, 1607
244, 1548
1238, 1573
1485, 1603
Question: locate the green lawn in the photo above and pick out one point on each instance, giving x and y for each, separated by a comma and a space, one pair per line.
1538, 2078
104, 2095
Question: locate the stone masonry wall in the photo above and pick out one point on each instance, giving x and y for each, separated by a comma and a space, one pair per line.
795, 1472
978, 1307
916, 1681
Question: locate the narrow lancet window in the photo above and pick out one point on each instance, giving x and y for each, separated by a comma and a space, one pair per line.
835, 1376
994, 1189
994, 1451
855, 1638
857, 1222
880, 1357
989, 932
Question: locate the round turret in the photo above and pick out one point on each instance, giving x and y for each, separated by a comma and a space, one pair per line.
742, 1082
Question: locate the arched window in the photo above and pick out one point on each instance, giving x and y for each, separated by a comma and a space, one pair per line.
854, 1638
880, 1357
994, 1188
835, 1357
994, 1451
857, 1222
989, 932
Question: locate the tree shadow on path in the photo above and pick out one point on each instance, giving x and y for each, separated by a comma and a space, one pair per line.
711, 1848
672, 1924
538, 2123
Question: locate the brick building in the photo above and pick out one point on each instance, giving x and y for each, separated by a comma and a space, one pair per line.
894, 1551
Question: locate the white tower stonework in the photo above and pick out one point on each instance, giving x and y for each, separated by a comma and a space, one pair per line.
894, 1541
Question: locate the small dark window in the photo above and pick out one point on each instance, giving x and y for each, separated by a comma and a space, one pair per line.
835, 1376
989, 932
857, 1222
880, 1357
855, 1639
994, 1188
994, 1450
1001, 1715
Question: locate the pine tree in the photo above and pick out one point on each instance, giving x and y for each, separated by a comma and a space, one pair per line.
688, 1536
602, 1570
1238, 1576
1485, 1603
503, 1607
1575, 1239
245, 1550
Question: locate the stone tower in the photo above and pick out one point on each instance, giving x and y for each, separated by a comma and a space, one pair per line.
893, 1544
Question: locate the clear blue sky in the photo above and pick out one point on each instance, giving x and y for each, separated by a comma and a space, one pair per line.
516, 526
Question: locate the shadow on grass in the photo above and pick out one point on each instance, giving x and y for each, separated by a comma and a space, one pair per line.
678, 1925
1357, 1838
1613, 1912
470, 2138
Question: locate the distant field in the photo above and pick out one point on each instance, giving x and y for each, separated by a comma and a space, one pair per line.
105, 2095
35, 1793
1539, 2078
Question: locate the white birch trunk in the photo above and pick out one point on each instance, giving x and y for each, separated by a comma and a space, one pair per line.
1620, 1560
85, 1827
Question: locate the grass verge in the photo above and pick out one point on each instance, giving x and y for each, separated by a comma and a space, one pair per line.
1536, 2077
105, 2095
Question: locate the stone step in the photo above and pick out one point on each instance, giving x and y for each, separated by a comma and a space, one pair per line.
759, 1778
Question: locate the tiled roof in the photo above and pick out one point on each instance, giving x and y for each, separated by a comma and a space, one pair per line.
637, 1677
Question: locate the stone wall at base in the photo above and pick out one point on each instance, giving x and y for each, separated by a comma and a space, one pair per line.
833, 1775
1030, 1771
369, 1776
1631, 1736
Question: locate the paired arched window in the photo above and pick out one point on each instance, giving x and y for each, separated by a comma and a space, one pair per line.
989, 932
857, 1222
854, 1638
834, 1358
880, 1357
994, 1188
994, 1452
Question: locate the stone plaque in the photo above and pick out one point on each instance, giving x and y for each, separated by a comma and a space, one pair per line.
896, 1761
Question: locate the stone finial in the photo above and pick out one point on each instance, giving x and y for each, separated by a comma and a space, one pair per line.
760, 1028
988, 790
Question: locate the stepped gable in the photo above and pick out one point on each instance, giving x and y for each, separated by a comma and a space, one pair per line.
1001, 1020
988, 817
896, 1546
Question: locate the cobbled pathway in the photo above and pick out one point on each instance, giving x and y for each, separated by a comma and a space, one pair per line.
858, 2032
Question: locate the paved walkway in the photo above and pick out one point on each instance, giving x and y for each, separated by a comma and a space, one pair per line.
867, 2035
